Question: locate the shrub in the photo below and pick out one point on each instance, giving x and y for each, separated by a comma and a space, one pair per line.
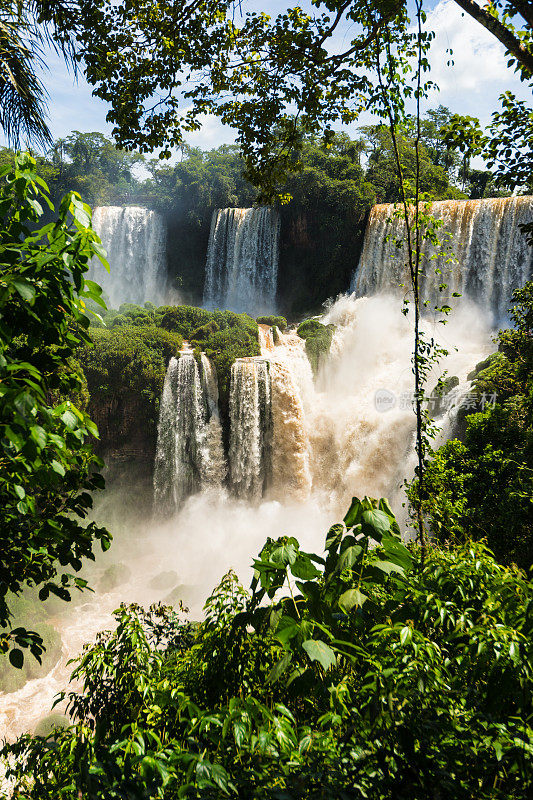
481, 487
279, 322
318, 338
368, 673
128, 360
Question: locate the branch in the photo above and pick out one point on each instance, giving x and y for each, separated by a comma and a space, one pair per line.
364, 43
525, 9
511, 43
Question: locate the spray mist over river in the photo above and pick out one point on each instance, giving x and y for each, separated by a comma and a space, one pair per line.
330, 441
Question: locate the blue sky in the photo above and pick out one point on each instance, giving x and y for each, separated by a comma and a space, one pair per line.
471, 86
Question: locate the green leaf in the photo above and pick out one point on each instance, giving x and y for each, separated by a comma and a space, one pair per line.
396, 551
349, 557
16, 658
69, 419
279, 668
406, 634
321, 652
354, 513
304, 568
351, 598
57, 467
387, 567
286, 553
287, 629
25, 289
334, 536
375, 523
80, 211
38, 435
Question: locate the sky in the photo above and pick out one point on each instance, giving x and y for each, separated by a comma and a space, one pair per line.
470, 86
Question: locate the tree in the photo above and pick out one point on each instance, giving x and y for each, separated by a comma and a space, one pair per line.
48, 468
25, 29
480, 487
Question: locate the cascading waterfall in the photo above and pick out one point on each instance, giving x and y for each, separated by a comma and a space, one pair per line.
189, 454
242, 260
250, 427
491, 255
135, 241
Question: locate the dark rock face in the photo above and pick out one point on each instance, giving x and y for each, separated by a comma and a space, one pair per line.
126, 431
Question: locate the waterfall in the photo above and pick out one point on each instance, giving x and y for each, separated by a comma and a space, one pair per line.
242, 260
491, 256
250, 427
135, 241
189, 454
291, 472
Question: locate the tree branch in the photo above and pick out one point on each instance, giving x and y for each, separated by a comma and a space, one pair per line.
512, 44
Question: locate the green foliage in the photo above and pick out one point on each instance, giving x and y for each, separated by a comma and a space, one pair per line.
366, 674
31, 613
128, 360
318, 338
47, 464
272, 320
481, 487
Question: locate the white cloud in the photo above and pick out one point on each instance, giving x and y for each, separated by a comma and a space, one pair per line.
479, 73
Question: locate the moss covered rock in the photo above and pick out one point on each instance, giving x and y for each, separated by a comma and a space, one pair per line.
318, 338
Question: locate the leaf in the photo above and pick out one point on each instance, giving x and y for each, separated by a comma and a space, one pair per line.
304, 568
279, 668
286, 553
396, 551
349, 557
19, 491
351, 598
69, 419
38, 434
25, 289
375, 523
406, 634
287, 629
387, 567
80, 211
16, 657
321, 652
334, 536
354, 513
57, 467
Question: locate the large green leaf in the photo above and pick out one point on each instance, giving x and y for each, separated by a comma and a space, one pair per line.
321, 652
349, 557
375, 523
354, 513
279, 668
304, 568
287, 629
285, 553
352, 598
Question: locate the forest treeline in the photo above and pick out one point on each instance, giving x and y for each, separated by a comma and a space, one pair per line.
332, 188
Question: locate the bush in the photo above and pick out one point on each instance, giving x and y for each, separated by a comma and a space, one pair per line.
318, 338
481, 487
378, 675
279, 322
128, 360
